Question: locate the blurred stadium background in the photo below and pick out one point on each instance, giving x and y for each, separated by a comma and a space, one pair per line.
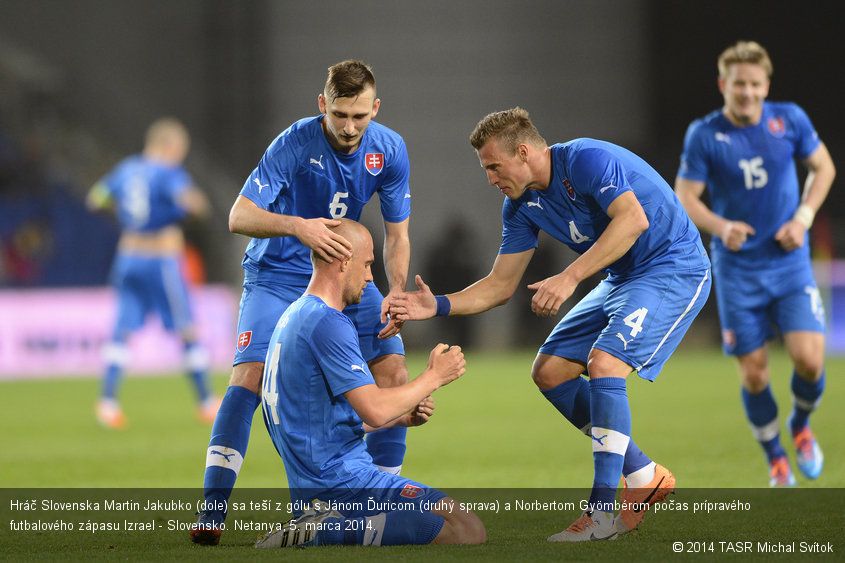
81, 80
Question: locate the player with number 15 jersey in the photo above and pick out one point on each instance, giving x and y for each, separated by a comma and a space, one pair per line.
751, 176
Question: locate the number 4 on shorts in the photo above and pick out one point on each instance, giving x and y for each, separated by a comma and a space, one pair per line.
635, 321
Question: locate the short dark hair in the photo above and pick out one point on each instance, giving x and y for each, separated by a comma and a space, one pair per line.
348, 79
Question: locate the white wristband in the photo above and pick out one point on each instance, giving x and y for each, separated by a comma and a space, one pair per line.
804, 215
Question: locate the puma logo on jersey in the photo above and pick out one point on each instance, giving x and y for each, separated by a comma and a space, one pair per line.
258, 183
719, 136
318, 162
354, 367
604, 189
534, 204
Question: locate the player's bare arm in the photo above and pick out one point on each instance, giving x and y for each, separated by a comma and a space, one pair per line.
417, 417
194, 202
397, 259
627, 222
246, 218
820, 175
379, 406
733, 233
491, 291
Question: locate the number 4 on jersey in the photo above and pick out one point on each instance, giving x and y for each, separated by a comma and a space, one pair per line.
269, 394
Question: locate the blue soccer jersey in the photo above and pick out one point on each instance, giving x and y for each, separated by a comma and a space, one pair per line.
751, 175
146, 192
302, 175
313, 358
587, 175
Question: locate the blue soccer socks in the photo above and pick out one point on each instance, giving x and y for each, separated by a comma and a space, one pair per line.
762, 412
196, 363
611, 433
116, 355
572, 399
805, 398
387, 448
229, 440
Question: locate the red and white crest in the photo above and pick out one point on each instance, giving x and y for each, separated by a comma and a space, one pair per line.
776, 126
412, 491
244, 339
729, 339
570, 191
374, 162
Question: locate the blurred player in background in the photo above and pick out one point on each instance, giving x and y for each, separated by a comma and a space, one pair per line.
613, 209
319, 399
151, 193
744, 153
315, 172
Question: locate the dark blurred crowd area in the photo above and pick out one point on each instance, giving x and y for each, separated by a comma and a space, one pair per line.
47, 237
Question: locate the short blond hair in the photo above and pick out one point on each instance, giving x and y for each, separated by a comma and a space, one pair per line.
165, 130
510, 127
744, 52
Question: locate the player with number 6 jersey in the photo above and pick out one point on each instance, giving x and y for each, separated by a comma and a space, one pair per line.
318, 171
744, 154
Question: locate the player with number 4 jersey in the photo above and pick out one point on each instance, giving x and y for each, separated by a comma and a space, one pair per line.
613, 209
744, 154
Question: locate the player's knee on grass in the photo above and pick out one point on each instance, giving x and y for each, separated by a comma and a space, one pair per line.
460, 527
389, 371
248, 375
550, 371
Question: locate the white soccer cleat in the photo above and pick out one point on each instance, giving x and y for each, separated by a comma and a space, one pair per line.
297, 531
592, 525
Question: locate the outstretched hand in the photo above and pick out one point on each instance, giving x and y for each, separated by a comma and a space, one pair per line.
551, 294
413, 305
316, 235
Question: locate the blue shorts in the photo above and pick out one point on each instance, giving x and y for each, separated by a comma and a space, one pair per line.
638, 320
752, 303
371, 491
146, 284
262, 304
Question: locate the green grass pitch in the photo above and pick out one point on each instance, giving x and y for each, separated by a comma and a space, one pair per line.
493, 437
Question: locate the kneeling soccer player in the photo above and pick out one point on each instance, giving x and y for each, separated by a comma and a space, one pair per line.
319, 399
